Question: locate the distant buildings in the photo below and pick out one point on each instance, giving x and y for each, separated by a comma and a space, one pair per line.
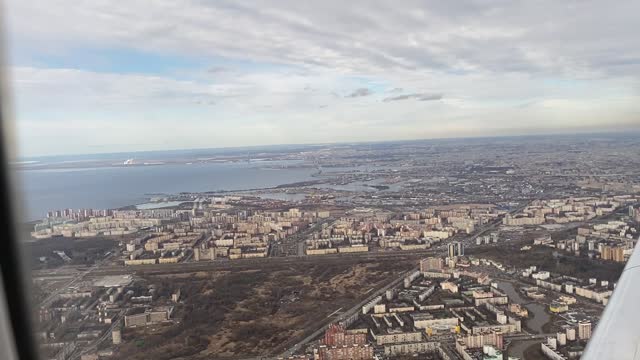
345, 352
339, 344
565, 345
614, 253
77, 214
523, 220
455, 249
599, 292
487, 239
479, 340
148, 317
114, 224
584, 330
116, 336
562, 211
336, 335
431, 264
558, 307
414, 317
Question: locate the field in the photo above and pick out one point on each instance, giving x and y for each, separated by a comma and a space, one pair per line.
243, 313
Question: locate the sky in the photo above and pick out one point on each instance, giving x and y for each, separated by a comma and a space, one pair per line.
93, 77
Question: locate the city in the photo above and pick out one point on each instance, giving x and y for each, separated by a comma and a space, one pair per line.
320, 180
451, 249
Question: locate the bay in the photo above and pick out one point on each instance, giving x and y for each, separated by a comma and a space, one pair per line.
43, 190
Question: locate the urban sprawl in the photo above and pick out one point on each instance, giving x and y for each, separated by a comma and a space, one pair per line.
450, 249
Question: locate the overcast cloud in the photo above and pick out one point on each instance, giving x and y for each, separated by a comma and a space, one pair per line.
420, 97
268, 71
360, 92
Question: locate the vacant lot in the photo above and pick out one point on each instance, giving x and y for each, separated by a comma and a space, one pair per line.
253, 312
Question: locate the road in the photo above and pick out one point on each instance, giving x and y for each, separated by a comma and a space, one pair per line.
528, 336
261, 263
94, 344
100, 270
356, 308
52, 297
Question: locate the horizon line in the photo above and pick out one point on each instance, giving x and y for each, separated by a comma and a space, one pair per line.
587, 133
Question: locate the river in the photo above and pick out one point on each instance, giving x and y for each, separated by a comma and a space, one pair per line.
540, 316
535, 323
